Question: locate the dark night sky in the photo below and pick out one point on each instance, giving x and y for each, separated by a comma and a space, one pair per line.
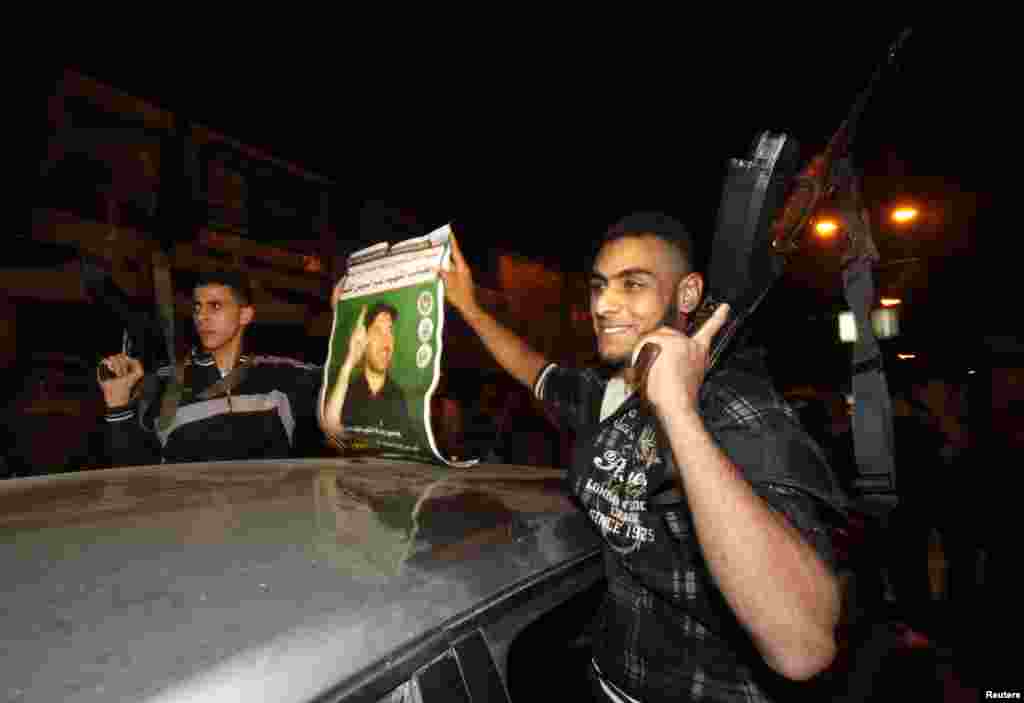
539, 142
535, 139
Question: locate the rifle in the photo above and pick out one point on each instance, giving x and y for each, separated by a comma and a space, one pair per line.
751, 244
175, 215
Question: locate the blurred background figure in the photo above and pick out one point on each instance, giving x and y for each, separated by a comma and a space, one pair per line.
826, 415
508, 427
920, 480
49, 407
482, 435
448, 423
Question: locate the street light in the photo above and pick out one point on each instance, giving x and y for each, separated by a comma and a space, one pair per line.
826, 228
904, 214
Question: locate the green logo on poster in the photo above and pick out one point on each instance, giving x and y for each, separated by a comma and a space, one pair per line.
423, 355
425, 329
425, 303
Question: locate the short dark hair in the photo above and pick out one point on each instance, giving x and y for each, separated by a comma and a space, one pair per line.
237, 281
377, 310
657, 224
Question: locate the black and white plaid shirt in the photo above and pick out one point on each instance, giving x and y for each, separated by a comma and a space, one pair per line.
665, 631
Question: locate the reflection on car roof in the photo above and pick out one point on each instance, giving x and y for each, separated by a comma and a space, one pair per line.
173, 581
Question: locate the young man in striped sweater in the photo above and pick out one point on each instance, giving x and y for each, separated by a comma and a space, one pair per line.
233, 405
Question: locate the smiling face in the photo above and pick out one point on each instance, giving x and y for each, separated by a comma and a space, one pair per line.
219, 317
634, 289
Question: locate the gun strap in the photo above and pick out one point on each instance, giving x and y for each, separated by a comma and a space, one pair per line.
227, 384
165, 311
873, 433
873, 436
150, 388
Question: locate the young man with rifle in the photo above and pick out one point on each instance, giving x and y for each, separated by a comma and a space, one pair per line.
231, 405
710, 498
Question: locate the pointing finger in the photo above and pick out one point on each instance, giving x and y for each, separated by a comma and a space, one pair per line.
116, 364
711, 326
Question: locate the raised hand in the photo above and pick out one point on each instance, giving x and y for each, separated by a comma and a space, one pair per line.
117, 391
459, 288
357, 342
676, 372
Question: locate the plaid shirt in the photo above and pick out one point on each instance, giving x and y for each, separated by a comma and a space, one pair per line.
665, 632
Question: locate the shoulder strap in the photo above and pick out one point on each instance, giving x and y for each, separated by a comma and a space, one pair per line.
227, 384
149, 395
165, 310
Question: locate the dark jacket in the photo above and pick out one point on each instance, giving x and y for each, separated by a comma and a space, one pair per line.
269, 414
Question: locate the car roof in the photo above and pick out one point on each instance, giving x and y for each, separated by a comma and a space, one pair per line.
283, 578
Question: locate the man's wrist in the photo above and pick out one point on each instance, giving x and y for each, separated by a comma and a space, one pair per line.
472, 312
686, 433
119, 413
681, 413
117, 402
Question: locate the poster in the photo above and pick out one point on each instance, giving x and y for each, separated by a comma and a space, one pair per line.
384, 358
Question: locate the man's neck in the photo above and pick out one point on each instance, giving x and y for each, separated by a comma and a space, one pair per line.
375, 380
227, 356
628, 374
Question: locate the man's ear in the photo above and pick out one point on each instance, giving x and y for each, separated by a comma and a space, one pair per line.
689, 292
246, 314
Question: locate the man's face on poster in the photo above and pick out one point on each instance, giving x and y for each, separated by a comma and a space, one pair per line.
380, 343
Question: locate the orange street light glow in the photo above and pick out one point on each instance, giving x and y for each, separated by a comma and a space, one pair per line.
904, 214
890, 302
826, 228
904, 357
